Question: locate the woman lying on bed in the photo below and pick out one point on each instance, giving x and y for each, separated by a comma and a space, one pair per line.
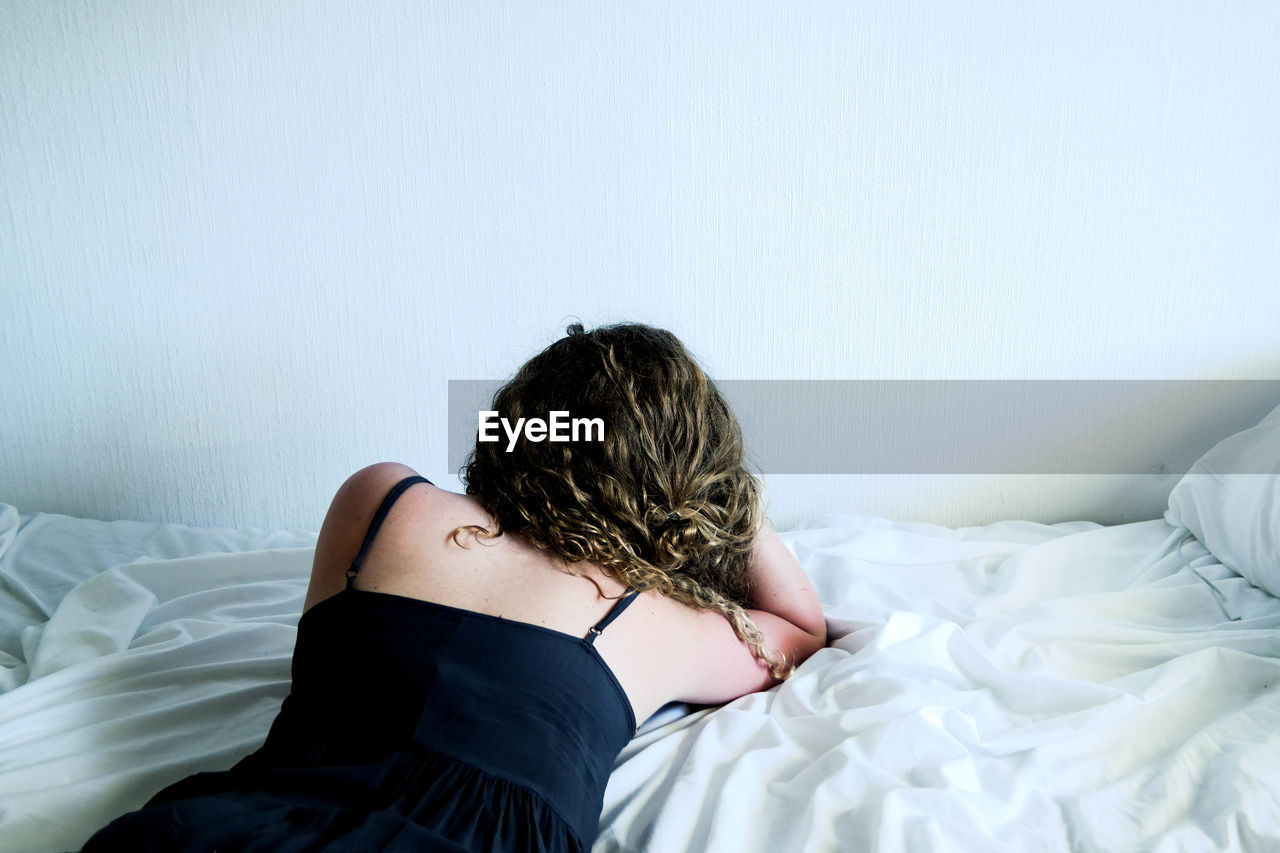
468, 667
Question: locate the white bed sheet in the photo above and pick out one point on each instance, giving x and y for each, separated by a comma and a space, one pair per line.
1015, 686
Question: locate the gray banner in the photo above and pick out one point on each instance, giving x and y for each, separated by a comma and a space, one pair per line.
960, 426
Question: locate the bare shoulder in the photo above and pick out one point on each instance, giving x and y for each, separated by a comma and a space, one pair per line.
350, 513
357, 499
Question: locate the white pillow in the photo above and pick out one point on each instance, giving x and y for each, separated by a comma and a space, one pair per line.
1230, 500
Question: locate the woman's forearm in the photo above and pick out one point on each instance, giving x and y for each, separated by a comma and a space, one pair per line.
780, 588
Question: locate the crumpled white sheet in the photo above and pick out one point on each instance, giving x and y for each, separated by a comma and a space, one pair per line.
1016, 686
140, 673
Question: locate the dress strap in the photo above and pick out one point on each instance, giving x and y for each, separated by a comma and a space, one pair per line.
396, 491
623, 603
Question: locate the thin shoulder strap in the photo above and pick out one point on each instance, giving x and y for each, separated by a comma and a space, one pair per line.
623, 603
396, 491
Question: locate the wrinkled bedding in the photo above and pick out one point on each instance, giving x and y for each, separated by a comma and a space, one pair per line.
1015, 686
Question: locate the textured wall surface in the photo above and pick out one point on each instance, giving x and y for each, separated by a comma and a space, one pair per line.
244, 246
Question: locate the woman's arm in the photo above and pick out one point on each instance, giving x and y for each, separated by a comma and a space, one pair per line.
783, 605
782, 602
780, 587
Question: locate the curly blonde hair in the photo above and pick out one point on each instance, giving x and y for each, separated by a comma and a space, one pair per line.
663, 503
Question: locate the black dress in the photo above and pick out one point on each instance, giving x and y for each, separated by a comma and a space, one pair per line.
411, 725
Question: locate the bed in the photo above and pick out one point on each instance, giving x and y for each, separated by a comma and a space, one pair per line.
1014, 686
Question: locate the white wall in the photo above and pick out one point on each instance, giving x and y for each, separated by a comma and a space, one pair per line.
244, 246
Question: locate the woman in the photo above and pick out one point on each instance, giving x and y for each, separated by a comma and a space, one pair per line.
468, 667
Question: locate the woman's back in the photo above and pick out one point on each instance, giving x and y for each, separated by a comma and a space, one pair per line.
414, 555
412, 724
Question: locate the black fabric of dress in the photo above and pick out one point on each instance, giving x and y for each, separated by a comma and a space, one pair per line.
411, 725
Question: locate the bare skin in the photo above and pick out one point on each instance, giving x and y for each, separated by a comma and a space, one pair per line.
660, 650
